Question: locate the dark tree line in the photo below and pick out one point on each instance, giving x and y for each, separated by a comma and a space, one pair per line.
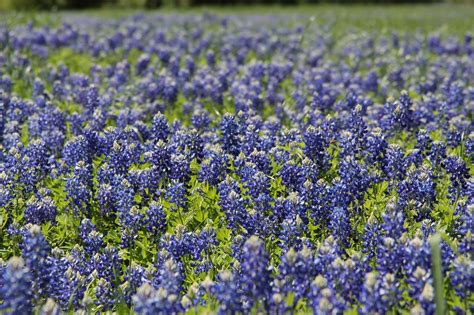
82, 4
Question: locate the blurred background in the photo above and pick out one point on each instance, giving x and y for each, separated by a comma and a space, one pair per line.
142, 4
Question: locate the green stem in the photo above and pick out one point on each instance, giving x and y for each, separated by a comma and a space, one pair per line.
437, 275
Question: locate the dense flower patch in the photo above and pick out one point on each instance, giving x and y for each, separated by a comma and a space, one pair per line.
203, 163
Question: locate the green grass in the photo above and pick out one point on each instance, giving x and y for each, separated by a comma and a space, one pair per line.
453, 19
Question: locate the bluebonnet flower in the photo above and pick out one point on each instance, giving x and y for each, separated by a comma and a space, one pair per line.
78, 187
170, 89
417, 280
393, 163
423, 140
34, 163
458, 172
133, 279
214, 166
77, 149
316, 142
463, 226
230, 135
105, 197
254, 180
180, 167
461, 277
35, 251
148, 301
291, 233
78, 260
38, 87
49, 124
316, 197
50, 308
233, 205
426, 299
142, 63
131, 222
107, 264
255, 276
106, 295
155, 220
417, 253
323, 299
160, 157
355, 177
92, 99
6, 83
413, 157
124, 195
261, 161
200, 119
379, 294
291, 175
226, 290
160, 129
357, 124
188, 243
371, 238
66, 285
93, 240
390, 256
419, 188
295, 273
348, 143
40, 208
339, 224
177, 193
6, 194
347, 276
169, 276
16, 291
454, 136
437, 154
124, 154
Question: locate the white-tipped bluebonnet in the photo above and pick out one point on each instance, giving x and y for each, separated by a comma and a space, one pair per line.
78, 187
106, 295
214, 166
40, 208
379, 294
459, 173
230, 137
296, 272
133, 279
35, 251
77, 149
323, 299
148, 301
107, 264
437, 153
66, 285
177, 193
155, 220
226, 290
393, 162
316, 143
50, 308
419, 189
16, 288
93, 240
255, 277
461, 277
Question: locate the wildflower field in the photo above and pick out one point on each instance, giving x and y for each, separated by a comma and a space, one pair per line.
317, 160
